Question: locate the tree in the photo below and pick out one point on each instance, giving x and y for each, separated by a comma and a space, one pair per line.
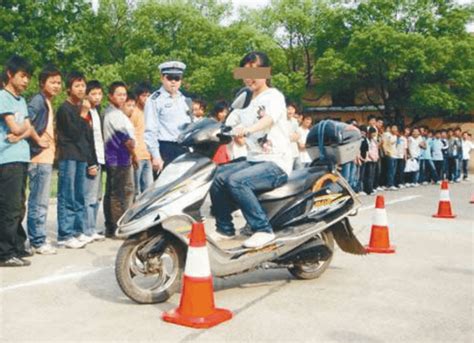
416, 55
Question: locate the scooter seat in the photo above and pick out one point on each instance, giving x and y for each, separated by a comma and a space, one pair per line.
298, 182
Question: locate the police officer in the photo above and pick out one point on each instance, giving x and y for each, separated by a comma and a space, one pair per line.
166, 112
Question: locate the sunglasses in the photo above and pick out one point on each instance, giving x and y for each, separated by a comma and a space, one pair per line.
173, 77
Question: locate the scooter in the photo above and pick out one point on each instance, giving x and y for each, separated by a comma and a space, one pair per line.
308, 214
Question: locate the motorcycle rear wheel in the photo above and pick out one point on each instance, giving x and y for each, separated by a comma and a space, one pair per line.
153, 280
313, 270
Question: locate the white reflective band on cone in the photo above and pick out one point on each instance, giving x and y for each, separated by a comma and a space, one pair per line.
197, 262
380, 217
444, 195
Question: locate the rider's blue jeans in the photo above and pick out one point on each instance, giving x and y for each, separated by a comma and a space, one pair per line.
237, 185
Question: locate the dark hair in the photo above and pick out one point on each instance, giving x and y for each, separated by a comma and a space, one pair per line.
255, 56
307, 116
370, 117
48, 71
116, 84
93, 84
218, 108
294, 105
363, 128
131, 96
142, 87
16, 64
457, 128
372, 129
74, 76
450, 129
380, 118
201, 102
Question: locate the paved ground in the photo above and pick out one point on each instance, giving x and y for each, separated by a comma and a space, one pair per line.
423, 293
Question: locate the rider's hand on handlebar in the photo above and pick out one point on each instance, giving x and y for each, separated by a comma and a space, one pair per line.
157, 164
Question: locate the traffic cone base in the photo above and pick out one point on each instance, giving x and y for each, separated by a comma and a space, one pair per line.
220, 315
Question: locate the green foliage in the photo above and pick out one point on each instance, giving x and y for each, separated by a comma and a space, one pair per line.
415, 54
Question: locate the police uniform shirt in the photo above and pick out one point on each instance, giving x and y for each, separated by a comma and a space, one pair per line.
165, 117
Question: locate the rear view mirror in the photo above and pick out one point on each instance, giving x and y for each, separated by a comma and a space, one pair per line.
242, 99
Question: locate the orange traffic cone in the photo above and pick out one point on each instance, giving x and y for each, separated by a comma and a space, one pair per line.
379, 241
196, 308
444, 207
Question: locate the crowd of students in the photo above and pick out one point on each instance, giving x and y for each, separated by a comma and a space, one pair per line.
85, 140
392, 157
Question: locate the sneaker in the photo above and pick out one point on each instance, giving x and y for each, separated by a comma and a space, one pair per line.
98, 237
424, 183
246, 231
46, 249
259, 239
85, 238
457, 180
218, 236
393, 188
400, 186
15, 262
416, 184
72, 243
362, 193
380, 188
438, 182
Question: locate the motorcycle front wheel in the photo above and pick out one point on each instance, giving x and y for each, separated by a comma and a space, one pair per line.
313, 270
153, 279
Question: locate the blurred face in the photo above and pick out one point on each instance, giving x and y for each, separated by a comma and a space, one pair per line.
458, 133
307, 122
372, 122
78, 90
129, 107
394, 130
52, 86
422, 130
450, 134
465, 136
95, 97
198, 111
141, 99
255, 85
291, 111
444, 135
429, 134
415, 133
19, 81
119, 97
373, 135
222, 115
407, 132
171, 83
379, 124
438, 135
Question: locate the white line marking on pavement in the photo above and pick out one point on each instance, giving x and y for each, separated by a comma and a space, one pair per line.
51, 279
407, 198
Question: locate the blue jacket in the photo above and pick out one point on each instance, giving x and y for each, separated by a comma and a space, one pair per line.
38, 113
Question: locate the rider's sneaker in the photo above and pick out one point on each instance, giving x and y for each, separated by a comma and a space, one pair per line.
246, 231
85, 238
259, 239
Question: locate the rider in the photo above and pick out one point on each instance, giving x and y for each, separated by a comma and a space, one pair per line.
269, 159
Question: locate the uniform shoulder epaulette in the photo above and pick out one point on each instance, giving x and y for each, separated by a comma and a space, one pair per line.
155, 95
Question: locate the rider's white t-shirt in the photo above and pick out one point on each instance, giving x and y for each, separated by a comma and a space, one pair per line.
272, 144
